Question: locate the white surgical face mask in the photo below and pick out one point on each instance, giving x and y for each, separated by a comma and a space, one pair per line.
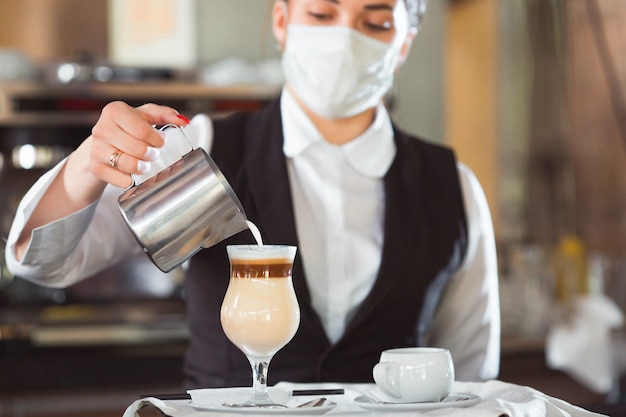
337, 71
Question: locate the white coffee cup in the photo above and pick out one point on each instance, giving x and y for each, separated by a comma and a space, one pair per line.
418, 374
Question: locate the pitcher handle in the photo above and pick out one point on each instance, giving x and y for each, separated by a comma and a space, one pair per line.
180, 129
133, 177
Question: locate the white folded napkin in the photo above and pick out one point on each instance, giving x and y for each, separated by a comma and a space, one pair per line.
215, 397
580, 344
498, 399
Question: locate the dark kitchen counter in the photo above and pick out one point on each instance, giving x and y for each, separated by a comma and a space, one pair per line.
91, 346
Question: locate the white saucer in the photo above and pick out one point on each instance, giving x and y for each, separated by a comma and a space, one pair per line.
454, 399
323, 409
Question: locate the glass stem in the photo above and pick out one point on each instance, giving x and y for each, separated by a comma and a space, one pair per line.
259, 379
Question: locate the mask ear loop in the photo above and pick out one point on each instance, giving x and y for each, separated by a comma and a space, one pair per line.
133, 178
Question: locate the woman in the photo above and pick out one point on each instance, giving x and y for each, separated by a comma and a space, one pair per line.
395, 241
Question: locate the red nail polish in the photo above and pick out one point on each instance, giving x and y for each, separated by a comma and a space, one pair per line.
183, 118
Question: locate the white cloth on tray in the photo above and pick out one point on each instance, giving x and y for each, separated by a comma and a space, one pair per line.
498, 399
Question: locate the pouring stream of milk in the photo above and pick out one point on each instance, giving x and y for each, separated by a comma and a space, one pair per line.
255, 232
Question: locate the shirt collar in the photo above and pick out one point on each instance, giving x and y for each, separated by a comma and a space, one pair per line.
371, 153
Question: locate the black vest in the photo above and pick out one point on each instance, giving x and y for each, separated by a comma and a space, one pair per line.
425, 241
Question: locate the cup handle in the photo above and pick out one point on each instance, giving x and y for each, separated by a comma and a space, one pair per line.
386, 375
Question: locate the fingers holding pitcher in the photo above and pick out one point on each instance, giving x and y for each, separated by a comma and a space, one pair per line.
124, 141
115, 166
130, 129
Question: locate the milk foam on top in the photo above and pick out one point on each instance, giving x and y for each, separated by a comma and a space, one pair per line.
270, 253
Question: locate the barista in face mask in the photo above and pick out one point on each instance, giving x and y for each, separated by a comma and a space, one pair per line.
394, 236
339, 58
341, 70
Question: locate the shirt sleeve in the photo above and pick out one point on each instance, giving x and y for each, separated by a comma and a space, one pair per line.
79, 245
467, 321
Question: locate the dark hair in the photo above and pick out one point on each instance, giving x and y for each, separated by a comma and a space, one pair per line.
417, 9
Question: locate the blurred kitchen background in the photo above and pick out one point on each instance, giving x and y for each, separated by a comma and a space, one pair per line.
531, 93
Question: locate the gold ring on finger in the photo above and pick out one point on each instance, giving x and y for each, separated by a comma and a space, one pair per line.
115, 157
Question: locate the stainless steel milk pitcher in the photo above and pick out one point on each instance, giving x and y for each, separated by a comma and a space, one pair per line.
183, 208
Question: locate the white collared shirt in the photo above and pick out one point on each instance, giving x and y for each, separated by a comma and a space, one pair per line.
339, 228
339, 209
